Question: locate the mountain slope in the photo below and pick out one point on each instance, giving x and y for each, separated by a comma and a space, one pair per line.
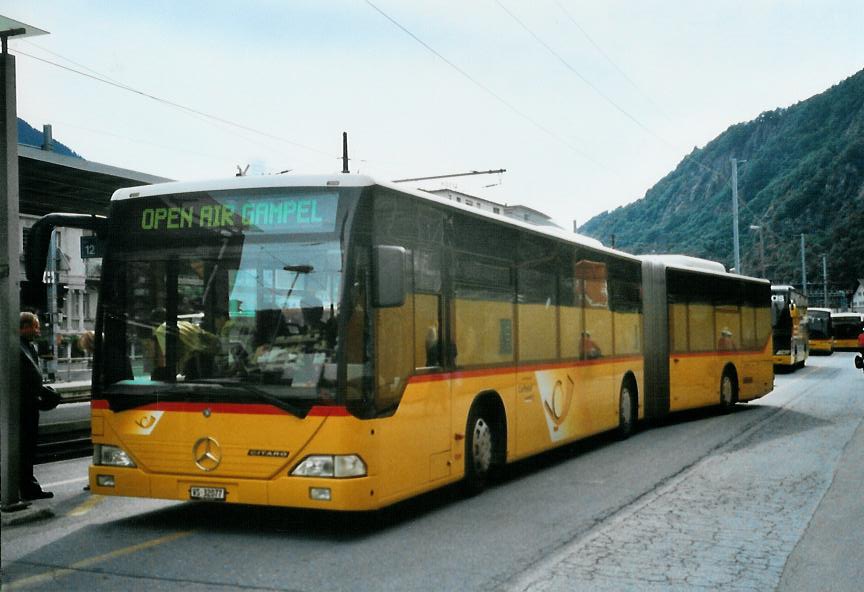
804, 173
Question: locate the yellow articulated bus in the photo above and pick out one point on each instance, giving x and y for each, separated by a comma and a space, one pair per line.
788, 313
339, 343
847, 326
820, 331
706, 330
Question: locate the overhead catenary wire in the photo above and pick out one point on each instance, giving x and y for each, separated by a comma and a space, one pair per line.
138, 140
581, 77
609, 59
484, 87
227, 125
591, 85
189, 110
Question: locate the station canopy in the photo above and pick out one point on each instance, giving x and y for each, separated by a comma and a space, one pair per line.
51, 182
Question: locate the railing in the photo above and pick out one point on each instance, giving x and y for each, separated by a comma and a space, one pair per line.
71, 369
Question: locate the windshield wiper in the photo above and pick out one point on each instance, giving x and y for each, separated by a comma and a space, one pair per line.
125, 397
262, 395
122, 397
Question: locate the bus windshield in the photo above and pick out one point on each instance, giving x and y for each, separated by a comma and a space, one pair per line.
847, 326
224, 297
819, 324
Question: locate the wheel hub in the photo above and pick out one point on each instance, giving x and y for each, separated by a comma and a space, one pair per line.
482, 446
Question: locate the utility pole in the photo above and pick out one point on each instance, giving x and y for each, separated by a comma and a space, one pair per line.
737, 250
803, 266
761, 249
10, 397
825, 281
345, 152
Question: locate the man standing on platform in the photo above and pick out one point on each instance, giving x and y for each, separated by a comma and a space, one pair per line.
34, 396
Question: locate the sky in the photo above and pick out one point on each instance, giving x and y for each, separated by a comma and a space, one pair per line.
585, 104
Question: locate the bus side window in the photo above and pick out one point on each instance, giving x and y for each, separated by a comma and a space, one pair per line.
625, 300
570, 326
748, 328
427, 331
596, 339
427, 307
538, 314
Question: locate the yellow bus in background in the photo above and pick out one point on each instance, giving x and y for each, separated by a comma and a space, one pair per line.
847, 326
340, 343
820, 331
788, 313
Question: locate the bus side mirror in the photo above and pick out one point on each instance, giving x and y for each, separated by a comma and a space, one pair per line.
388, 273
40, 236
859, 362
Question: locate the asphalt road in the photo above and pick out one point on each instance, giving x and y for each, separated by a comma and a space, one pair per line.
707, 501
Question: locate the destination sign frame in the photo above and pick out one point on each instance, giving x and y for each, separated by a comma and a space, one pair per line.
289, 212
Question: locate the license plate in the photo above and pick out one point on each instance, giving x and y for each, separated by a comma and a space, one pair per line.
207, 493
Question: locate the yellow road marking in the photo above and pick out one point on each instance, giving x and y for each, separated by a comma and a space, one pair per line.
65, 571
87, 505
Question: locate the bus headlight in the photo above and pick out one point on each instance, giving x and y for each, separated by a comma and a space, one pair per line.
111, 456
324, 465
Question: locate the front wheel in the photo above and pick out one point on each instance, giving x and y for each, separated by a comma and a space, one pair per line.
479, 451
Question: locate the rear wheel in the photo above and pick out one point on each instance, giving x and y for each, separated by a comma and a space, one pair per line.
480, 442
626, 410
728, 390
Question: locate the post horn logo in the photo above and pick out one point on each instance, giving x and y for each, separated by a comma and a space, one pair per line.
560, 403
145, 422
207, 454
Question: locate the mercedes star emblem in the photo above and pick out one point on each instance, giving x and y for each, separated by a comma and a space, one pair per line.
207, 454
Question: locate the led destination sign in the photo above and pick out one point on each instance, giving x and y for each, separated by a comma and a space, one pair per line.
300, 213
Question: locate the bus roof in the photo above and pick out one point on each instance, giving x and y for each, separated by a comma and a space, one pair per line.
689, 263
346, 180
784, 288
847, 315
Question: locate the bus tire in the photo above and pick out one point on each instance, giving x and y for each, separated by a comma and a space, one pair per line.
728, 390
626, 409
480, 445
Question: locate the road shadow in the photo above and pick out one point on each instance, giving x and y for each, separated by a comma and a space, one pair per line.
692, 415
279, 522
784, 423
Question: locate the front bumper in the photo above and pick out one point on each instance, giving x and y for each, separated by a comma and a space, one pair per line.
354, 494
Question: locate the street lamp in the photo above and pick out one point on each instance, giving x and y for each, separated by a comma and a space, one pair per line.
761, 248
737, 252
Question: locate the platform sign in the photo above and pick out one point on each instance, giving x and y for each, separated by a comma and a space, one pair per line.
91, 247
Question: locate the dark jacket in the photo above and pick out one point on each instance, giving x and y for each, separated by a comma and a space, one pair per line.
31, 379
34, 395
